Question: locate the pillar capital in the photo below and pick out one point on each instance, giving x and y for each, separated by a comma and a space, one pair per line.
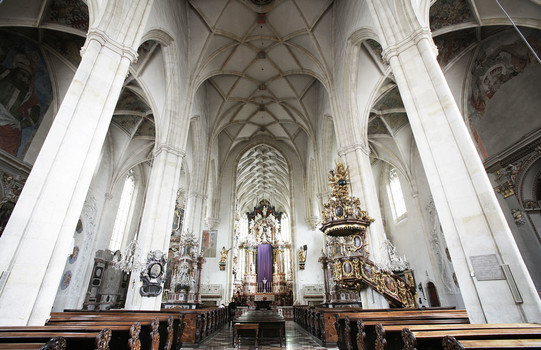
402, 45
169, 149
352, 148
95, 34
197, 195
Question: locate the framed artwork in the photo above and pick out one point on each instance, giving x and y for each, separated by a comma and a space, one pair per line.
208, 243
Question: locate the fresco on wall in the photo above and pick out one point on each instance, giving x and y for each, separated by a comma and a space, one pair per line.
25, 92
449, 12
395, 121
376, 49
128, 123
499, 60
452, 44
67, 45
72, 13
66, 279
147, 128
129, 101
376, 127
208, 244
391, 100
143, 51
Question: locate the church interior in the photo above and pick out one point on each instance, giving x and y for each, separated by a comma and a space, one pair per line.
273, 154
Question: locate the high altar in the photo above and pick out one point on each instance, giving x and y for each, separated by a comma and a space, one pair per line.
262, 260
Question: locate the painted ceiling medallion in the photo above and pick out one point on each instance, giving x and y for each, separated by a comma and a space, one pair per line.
261, 2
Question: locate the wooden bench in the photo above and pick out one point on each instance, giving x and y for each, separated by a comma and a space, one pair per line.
393, 334
244, 326
200, 323
450, 343
120, 322
75, 340
347, 324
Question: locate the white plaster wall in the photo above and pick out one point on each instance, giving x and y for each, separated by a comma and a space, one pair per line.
369, 77
350, 17
456, 75
153, 79
412, 235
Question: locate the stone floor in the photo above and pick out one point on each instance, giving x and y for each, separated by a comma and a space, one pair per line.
296, 338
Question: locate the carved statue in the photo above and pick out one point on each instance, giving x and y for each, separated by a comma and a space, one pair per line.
302, 255
223, 253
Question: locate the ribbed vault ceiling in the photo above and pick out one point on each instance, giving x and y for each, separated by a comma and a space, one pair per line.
263, 173
262, 66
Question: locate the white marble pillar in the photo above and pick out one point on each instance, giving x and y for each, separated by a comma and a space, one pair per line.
193, 216
157, 219
35, 244
472, 220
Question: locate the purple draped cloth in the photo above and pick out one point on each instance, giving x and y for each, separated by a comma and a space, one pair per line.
264, 263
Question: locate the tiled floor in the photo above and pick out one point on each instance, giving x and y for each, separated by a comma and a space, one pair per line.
296, 338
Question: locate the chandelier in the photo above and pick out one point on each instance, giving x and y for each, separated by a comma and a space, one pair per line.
131, 260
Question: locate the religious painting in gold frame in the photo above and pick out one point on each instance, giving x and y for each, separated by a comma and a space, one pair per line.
347, 268
357, 242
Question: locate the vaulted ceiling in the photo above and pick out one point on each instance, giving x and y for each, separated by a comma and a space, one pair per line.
262, 63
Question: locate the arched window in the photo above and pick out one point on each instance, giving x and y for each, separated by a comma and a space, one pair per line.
396, 197
123, 213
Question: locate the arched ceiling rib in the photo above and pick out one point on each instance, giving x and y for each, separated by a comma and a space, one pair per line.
261, 66
262, 173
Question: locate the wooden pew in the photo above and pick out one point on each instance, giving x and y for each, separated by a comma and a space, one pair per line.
56, 343
198, 323
434, 338
347, 325
75, 340
451, 343
116, 318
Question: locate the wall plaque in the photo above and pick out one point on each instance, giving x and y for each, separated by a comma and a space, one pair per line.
487, 267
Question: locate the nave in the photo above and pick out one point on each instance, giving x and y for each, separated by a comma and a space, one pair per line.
296, 338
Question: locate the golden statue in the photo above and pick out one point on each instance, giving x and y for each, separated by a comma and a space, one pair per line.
223, 253
302, 255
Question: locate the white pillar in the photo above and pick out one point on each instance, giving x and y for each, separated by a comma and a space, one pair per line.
35, 244
472, 220
157, 219
195, 208
36, 241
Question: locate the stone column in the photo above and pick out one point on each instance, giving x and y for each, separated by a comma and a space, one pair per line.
36, 242
157, 219
193, 216
472, 221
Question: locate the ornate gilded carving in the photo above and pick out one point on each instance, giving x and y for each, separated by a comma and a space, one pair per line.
381, 342
409, 340
347, 333
134, 342
180, 331
361, 336
518, 216
345, 223
505, 189
155, 334
169, 339
153, 276
56, 343
103, 339
342, 214
450, 343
